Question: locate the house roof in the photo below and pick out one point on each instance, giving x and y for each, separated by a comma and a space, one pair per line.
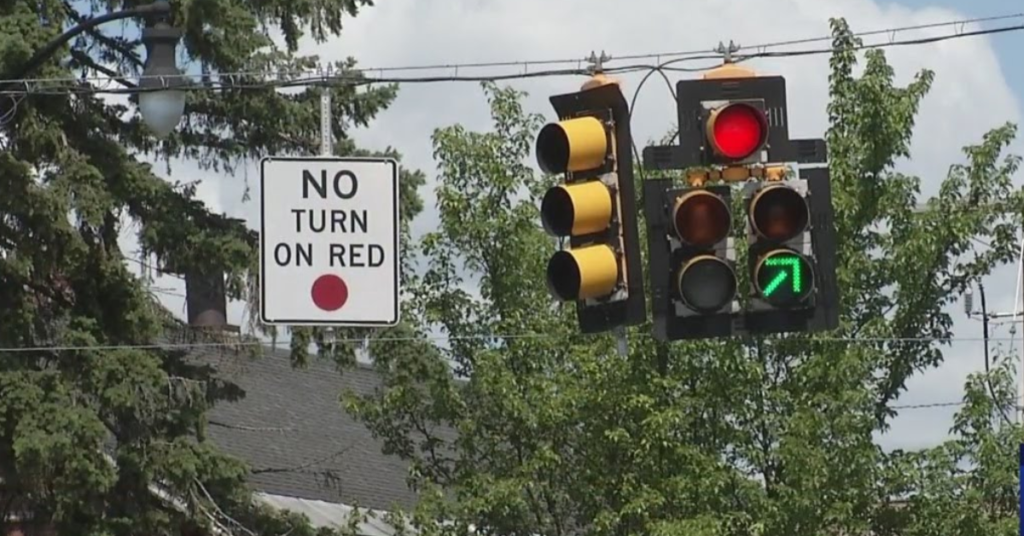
292, 431
337, 516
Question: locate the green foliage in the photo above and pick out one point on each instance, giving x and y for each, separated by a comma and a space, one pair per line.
73, 182
549, 432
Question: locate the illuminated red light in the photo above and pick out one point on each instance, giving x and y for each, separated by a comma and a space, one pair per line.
738, 130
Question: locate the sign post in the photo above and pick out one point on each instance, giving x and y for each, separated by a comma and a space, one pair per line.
329, 241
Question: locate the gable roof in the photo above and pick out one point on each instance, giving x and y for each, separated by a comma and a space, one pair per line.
292, 431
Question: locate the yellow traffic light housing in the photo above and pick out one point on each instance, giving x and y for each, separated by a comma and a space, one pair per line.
594, 207
577, 209
583, 273
573, 145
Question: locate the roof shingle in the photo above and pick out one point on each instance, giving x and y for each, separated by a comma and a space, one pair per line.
291, 429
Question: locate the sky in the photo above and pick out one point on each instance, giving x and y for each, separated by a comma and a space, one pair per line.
975, 90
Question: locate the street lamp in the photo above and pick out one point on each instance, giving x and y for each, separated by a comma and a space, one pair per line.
162, 94
162, 101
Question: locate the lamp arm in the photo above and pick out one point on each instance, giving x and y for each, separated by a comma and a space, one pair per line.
37, 59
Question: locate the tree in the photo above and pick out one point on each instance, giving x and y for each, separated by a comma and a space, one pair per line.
78, 372
549, 432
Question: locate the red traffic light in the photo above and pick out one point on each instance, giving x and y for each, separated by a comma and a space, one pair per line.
779, 213
737, 130
701, 218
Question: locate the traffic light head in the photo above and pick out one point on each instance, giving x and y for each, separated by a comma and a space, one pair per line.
583, 273
736, 131
791, 256
692, 267
705, 284
577, 209
778, 216
594, 207
779, 213
733, 128
573, 145
730, 118
701, 219
784, 278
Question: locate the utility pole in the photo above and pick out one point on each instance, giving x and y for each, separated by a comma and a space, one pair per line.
1016, 312
326, 139
1017, 315
985, 317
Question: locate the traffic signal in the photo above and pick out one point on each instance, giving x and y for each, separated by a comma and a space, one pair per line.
791, 255
736, 132
732, 125
692, 260
733, 128
594, 207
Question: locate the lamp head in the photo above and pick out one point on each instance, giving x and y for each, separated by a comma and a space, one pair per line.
162, 96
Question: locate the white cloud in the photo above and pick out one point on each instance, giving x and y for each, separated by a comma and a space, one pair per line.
969, 96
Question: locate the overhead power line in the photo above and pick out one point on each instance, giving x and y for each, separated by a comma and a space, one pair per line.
959, 26
481, 337
193, 346
360, 77
928, 405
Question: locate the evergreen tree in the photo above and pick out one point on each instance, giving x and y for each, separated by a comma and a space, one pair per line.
92, 415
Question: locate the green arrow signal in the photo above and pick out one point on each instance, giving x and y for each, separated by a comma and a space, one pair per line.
795, 267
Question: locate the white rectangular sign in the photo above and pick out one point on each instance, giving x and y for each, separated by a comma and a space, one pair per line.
329, 241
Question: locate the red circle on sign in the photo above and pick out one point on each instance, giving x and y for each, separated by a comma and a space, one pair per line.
329, 292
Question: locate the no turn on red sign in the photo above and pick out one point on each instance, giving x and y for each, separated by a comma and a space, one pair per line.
329, 241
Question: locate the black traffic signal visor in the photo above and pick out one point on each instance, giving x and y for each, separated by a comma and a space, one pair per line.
737, 130
784, 278
701, 218
706, 283
574, 145
779, 213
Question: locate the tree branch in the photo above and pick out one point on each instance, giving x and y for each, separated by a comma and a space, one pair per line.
249, 428
301, 467
84, 58
439, 463
124, 50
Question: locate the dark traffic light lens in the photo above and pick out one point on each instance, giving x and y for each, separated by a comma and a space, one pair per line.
779, 213
784, 278
701, 219
706, 284
738, 130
